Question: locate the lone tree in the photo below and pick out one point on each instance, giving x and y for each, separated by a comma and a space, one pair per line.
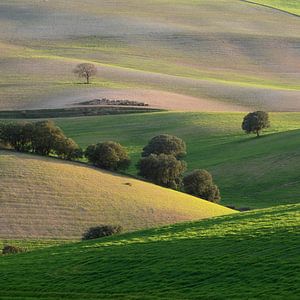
165, 144
255, 122
162, 169
108, 155
86, 71
199, 183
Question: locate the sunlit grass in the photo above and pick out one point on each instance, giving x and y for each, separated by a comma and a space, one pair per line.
252, 255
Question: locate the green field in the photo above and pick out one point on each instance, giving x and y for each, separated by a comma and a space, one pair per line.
243, 256
250, 172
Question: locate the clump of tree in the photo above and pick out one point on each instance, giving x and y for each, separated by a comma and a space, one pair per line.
108, 155
85, 70
9, 249
255, 122
43, 138
101, 231
161, 162
199, 183
165, 144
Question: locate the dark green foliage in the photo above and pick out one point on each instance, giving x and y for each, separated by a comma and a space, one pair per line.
46, 136
165, 144
255, 122
66, 148
18, 135
200, 183
101, 231
41, 137
162, 169
8, 249
108, 155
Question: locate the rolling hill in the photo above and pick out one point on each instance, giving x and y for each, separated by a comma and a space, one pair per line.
250, 172
251, 255
44, 198
205, 55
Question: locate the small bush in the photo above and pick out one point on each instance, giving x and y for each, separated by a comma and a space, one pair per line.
8, 249
101, 231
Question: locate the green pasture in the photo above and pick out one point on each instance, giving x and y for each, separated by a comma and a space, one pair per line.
252, 172
250, 255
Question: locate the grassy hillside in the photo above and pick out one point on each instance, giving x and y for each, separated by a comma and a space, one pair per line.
242, 256
172, 54
290, 6
50, 199
249, 171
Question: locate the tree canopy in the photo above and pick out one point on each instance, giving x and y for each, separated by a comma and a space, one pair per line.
165, 144
108, 155
200, 183
85, 70
162, 169
255, 122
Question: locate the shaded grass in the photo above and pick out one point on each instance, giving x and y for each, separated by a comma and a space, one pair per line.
251, 255
249, 171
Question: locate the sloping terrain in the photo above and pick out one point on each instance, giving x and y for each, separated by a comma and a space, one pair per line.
242, 256
290, 6
227, 55
250, 172
48, 198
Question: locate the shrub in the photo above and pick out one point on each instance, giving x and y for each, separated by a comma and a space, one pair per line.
162, 169
255, 122
165, 144
101, 231
8, 249
200, 183
108, 155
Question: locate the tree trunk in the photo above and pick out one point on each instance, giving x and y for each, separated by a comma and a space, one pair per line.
257, 133
87, 79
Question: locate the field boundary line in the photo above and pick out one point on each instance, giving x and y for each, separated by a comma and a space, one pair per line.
271, 7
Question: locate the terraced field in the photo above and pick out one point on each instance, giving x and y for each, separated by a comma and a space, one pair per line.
203, 55
240, 256
250, 172
44, 198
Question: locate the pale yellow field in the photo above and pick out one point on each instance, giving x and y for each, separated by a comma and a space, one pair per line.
49, 198
209, 55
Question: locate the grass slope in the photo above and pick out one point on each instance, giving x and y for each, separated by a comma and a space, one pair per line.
144, 48
249, 171
242, 256
50, 199
290, 6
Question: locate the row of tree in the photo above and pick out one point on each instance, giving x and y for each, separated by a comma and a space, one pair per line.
43, 138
